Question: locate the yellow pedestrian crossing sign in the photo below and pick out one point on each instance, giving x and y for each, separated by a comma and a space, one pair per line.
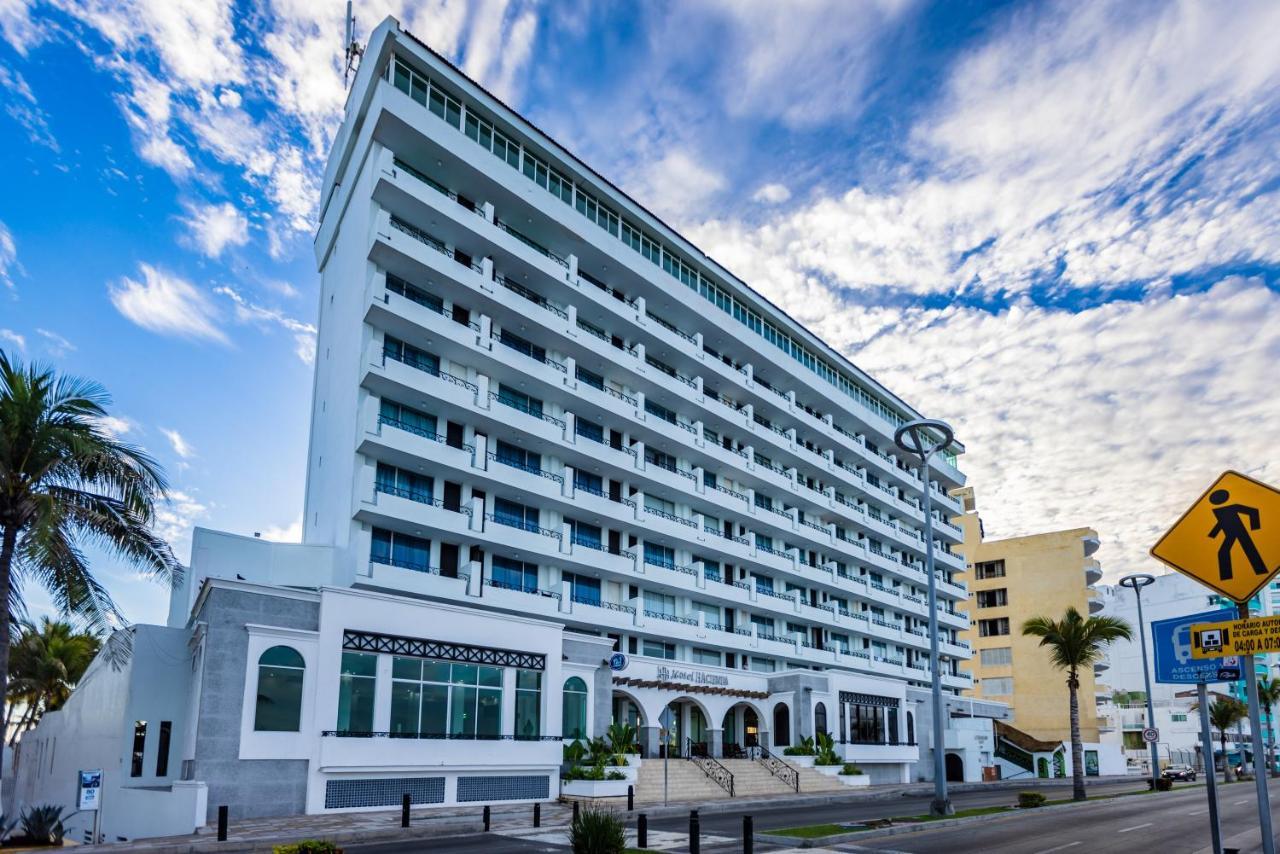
1229, 539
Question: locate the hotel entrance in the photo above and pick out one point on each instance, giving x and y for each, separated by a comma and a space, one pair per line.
741, 731
686, 727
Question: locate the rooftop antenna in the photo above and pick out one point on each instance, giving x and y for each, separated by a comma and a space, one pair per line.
352, 49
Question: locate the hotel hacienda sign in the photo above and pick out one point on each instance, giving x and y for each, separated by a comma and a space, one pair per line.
695, 677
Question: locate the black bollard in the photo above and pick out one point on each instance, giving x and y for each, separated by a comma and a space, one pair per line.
575, 812
486, 818
222, 824
748, 835
631, 798
404, 810
537, 815
642, 831
694, 844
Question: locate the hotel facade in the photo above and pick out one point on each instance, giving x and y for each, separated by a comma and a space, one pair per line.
564, 470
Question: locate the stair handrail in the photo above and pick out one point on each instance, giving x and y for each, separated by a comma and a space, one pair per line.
776, 766
715, 772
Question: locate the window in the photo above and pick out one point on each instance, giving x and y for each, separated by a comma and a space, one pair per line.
402, 550
139, 747
1177, 718
515, 574
517, 457
989, 569
584, 534
1000, 687
583, 588
659, 649
519, 400
162, 748
585, 428
993, 598
528, 704
437, 699
403, 484
820, 718
356, 688
574, 723
991, 628
659, 603
279, 705
867, 723
706, 656
996, 656
588, 482
397, 350
407, 418
763, 665
659, 555
506, 512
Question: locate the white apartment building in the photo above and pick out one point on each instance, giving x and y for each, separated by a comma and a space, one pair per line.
557, 452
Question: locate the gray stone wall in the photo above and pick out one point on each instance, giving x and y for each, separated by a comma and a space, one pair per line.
250, 788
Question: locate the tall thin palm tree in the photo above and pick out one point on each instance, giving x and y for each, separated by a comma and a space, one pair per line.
66, 483
1268, 696
1074, 642
1224, 713
44, 666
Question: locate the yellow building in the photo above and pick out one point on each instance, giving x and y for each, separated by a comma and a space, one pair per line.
1010, 581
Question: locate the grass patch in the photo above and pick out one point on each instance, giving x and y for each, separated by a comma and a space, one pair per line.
916, 819
814, 831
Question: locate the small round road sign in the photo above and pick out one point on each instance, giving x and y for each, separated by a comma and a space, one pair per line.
1151, 735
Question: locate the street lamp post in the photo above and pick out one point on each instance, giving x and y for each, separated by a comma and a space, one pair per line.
921, 438
1138, 581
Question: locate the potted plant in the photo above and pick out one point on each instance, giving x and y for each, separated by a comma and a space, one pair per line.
623, 743
802, 754
851, 775
826, 760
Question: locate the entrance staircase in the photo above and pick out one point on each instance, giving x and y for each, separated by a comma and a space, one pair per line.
751, 779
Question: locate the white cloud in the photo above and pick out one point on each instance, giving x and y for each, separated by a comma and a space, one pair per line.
116, 426
180, 446
772, 194
16, 26
14, 338
176, 517
678, 186
212, 228
23, 108
8, 257
291, 533
55, 343
1115, 417
304, 334
167, 304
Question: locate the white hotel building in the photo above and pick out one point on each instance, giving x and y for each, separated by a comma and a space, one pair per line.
545, 428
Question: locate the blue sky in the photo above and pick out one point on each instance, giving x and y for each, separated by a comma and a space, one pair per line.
1056, 225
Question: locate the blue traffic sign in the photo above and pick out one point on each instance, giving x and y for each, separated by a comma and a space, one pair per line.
1171, 641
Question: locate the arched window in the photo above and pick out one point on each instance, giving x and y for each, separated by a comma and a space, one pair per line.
911, 728
781, 725
279, 706
575, 708
819, 718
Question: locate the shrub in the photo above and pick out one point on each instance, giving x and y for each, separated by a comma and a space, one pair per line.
43, 824
1030, 800
850, 770
622, 738
826, 750
615, 775
308, 846
574, 752
597, 832
804, 748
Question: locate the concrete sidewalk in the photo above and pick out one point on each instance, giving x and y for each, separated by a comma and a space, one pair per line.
261, 834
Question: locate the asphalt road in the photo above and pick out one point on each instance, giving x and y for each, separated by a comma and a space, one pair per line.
1171, 823
730, 823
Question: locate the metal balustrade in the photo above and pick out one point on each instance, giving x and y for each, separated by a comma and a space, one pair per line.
522, 588
507, 461
427, 368
526, 409
531, 243
420, 498
512, 522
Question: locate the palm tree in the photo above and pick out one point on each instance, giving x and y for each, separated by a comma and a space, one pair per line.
1224, 713
1268, 696
44, 666
1074, 642
64, 484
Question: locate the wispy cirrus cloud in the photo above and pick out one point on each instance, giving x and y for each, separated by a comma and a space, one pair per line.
168, 305
211, 228
246, 311
8, 258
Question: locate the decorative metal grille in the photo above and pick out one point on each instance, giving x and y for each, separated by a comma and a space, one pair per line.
867, 699
442, 650
384, 792
504, 788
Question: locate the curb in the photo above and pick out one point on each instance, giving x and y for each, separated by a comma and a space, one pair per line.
921, 827
267, 843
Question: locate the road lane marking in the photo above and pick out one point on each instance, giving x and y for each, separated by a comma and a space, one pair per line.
1198, 812
1135, 827
1059, 848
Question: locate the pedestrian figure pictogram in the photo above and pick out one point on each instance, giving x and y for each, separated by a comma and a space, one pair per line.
1231, 526
1229, 539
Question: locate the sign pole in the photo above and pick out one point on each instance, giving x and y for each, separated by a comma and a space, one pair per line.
1211, 779
1255, 727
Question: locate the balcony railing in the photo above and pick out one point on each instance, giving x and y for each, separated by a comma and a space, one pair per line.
532, 296
526, 408
427, 368
522, 588
532, 244
433, 242
512, 522
421, 498
507, 461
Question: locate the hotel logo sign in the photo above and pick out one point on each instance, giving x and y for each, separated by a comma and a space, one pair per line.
696, 677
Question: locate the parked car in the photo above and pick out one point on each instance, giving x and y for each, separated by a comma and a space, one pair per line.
1184, 773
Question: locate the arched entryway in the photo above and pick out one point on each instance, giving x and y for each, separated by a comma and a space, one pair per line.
955, 768
781, 725
740, 730
685, 722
